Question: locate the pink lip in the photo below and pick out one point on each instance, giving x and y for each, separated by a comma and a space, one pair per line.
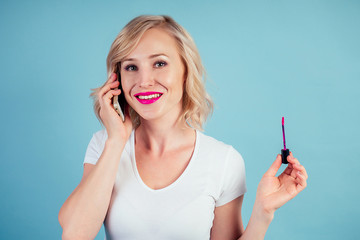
147, 101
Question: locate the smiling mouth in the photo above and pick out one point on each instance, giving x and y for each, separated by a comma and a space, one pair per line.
148, 97
157, 95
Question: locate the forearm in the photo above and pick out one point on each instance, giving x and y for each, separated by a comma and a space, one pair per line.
258, 224
84, 211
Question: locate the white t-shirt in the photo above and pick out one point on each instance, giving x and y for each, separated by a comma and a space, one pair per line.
183, 210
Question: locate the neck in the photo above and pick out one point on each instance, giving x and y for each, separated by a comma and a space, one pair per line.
160, 135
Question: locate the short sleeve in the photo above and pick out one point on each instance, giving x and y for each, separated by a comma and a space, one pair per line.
94, 148
233, 182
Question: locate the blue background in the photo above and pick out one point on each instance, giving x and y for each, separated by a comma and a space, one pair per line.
264, 59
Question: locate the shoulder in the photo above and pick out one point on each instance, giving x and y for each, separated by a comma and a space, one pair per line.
97, 145
213, 145
222, 154
99, 139
101, 134
97, 142
226, 166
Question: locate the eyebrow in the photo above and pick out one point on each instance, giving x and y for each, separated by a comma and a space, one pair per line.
150, 57
158, 55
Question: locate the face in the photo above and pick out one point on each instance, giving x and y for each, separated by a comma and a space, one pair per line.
152, 76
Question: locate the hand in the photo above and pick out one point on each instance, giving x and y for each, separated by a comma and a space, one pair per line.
113, 123
273, 192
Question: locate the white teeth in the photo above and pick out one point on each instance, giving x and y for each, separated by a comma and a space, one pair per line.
149, 96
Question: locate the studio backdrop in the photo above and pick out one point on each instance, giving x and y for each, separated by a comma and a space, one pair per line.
264, 60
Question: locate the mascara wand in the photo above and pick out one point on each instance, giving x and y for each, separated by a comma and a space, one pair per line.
284, 152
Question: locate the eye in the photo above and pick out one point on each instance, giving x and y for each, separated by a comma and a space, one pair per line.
130, 68
160, 64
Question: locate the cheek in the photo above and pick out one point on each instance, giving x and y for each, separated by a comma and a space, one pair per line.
180, 80
127, 92
173, 78
126, 85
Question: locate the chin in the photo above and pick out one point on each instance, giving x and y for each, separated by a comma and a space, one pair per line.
149, 115
158, 112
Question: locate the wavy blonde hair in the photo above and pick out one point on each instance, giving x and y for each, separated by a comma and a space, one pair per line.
197, 103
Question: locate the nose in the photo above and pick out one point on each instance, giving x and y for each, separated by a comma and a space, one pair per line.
146, 78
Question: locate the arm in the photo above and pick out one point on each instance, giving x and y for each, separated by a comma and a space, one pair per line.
83, 213
272, 193
228, 223
258, 224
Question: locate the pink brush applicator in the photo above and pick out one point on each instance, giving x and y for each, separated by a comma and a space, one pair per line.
284, 152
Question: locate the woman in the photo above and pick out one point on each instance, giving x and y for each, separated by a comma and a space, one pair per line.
156, 176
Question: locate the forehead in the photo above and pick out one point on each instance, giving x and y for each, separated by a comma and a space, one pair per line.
155, 41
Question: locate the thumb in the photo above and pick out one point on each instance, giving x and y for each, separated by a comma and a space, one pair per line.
271, 172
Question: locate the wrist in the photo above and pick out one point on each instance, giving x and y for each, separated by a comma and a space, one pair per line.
262, 212
115, 143
259, 223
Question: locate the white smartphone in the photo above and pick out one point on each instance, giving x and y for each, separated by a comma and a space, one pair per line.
119, 101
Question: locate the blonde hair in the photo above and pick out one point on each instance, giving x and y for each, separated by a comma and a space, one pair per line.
197, 104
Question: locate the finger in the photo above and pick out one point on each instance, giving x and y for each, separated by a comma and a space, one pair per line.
110, 94
292, 160
302, 169
107, 87
300, 179
114, 84
111, 78
271, 172
288, 169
